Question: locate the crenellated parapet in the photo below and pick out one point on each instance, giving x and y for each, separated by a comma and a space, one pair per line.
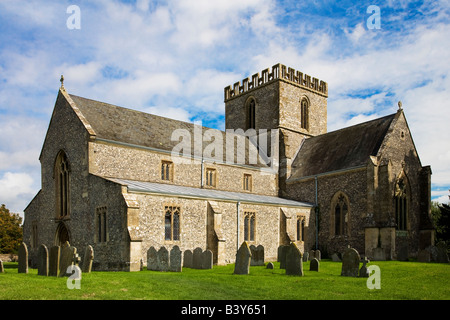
279, 72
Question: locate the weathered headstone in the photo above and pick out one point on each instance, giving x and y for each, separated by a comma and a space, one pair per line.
23, 258
2, 269
269, 265
163, 259
424, 256
207, 259
197, 258
42, 260
257, 255
306, 256
88, 258
294, 261
335, 257
175, 260
379, 254
54, 257
152, 259
350, 263
187, 259
402, 254
312, 254
283, 252
363, 272
243, 258
314, 265
317, 255
67, 258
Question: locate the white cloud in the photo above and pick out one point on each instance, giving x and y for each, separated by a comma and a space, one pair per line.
16, 190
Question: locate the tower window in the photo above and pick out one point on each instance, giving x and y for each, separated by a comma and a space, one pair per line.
167, 170
211, 177
304, 121
251, 118
247, 183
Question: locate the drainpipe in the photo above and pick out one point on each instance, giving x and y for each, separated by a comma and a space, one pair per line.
237, 223
316, 210
201, 175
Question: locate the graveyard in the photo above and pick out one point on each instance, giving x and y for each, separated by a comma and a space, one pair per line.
400, 280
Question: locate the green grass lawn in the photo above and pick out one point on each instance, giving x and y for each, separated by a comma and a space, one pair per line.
399, 281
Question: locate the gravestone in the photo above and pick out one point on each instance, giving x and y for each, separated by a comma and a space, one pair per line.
67, 258
207, 259
439, 253
42, 260
54, 257
294, 261
88, 258
312, 254
257, 255
402, 254
350, 263
197, 258
363, 272
317, 255
23, 258
269, 265
187, 259
306, 256
335, 257
283, 252
175, 259
243, 258
163, 259
152, 259
314, 265
424, 256
379, 254
2, 269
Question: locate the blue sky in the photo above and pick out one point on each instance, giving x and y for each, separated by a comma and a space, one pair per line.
173, 58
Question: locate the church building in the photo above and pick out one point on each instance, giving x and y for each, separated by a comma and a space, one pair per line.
122, 180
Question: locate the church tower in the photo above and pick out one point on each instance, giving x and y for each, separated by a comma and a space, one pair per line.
283, 99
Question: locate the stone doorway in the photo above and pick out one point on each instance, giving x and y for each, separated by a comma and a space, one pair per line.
62, 234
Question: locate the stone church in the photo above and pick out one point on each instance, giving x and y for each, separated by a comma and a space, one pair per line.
116, 178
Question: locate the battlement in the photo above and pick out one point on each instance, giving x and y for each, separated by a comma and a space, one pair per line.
279, 72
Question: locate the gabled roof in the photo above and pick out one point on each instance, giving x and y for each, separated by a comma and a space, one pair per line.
122, 125
342, 149
190, 192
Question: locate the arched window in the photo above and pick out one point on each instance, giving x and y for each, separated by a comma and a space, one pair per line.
172, 223
304, 114
340, 214
401, 203
251, 114
62, 183
249, 226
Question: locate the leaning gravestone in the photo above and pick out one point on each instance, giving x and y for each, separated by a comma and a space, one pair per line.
350, 263
88, 258
294, 261
152, 259
197, 258
306, 256
314, 265
207, 259
43, 260
317, 255
163, 259
67, 258
243, 258
54, 257
23, 258
175, 259
187, 259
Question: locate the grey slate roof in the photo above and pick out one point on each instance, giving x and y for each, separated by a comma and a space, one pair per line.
342, 149
134, 127
190, 192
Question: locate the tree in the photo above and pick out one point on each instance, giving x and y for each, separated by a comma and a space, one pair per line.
443, 224
10, 231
